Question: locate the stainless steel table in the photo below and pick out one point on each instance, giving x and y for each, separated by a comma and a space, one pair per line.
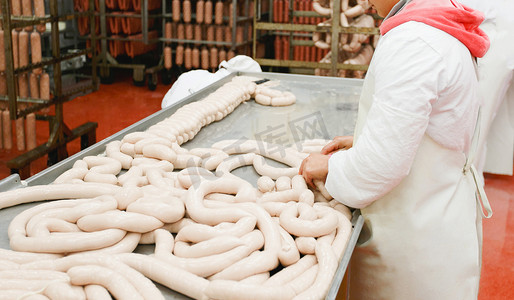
325, 107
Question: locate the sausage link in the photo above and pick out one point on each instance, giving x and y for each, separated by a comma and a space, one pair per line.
175, 8
219, 33
195, 58
34, 86
231, 54
200, 4
26, 7
20, 134
168, 30
228, 34
179, 55
222, 55
186, 9
44, 86
39, 11
16, 7
30, 127
218, 13
208, 12
35, 45
189, 31
231, 15
239, 34
7, 130
167, 58
210, 33
198, 32
181, 32
23, 46
23, 86
280, 11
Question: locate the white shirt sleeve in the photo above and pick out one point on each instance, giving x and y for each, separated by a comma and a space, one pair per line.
409, 74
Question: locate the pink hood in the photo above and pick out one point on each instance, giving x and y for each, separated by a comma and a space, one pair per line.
447, 15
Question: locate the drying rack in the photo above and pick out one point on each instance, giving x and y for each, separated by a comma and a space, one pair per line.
263, 26
243, 20
60, 133
105, 61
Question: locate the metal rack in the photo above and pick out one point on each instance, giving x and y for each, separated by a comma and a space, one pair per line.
105, 61
236, 20
60, 134
243, 21
262, 23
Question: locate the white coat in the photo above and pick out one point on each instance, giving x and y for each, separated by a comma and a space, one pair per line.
408, 170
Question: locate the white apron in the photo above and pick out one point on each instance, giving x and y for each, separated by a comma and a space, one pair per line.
423, 239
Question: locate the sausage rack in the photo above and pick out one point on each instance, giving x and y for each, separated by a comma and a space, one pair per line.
299, 33
60, 134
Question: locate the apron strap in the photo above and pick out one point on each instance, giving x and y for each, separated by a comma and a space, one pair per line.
482, 200
481, 197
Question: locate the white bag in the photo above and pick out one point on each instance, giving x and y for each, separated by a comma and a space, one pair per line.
195, 80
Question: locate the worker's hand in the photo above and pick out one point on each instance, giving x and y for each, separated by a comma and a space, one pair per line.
338, 143
314, 167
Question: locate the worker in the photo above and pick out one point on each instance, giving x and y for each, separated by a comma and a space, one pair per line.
409, 166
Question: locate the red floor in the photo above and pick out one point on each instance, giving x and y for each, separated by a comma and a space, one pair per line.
120, 104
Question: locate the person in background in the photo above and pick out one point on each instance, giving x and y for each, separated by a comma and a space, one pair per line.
408, 166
